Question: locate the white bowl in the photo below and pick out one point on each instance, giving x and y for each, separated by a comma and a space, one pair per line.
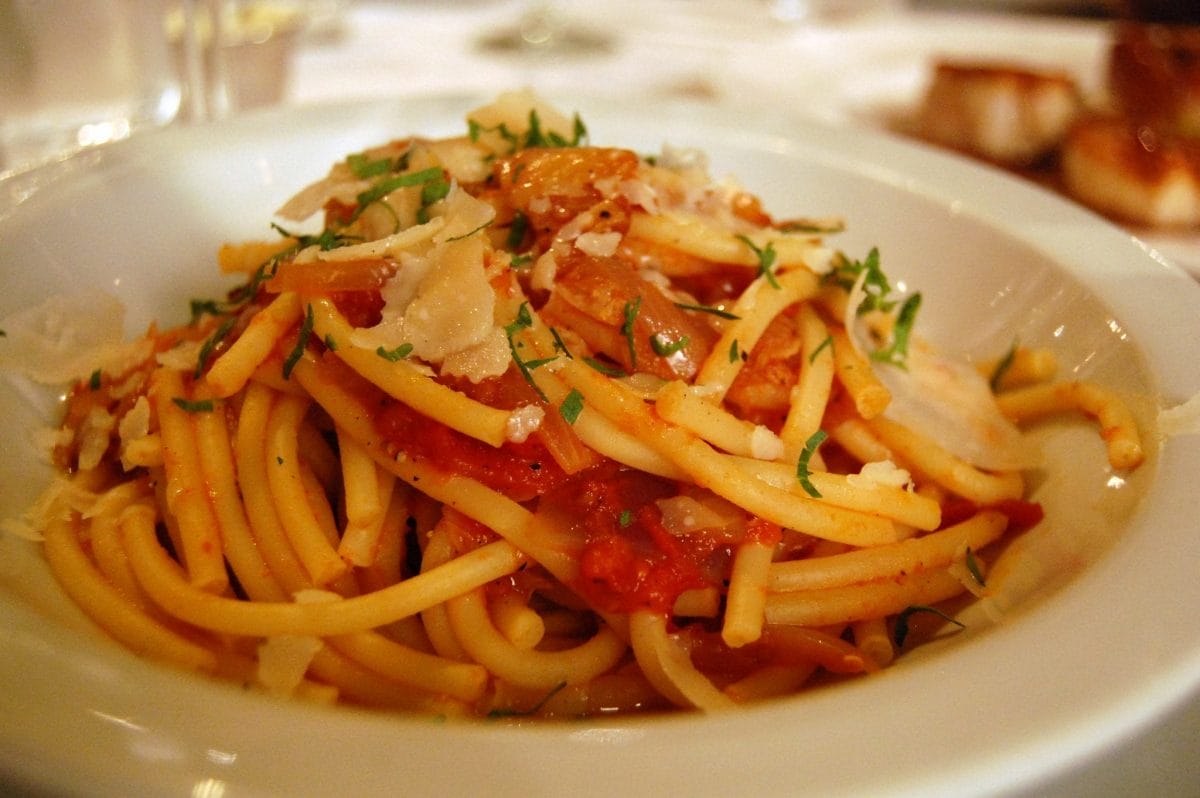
1101, 644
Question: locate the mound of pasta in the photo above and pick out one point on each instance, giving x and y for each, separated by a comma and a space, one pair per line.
511, 425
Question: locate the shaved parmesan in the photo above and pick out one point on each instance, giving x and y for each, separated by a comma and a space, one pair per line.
880, 472
685, 514
441, 304
283, 661
95, 434
950, 402
65, 338
132, 429
765, 444
523, 422
488, 358
1181, 419
599, 245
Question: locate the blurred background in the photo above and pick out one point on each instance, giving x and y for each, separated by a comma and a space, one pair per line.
1019, 83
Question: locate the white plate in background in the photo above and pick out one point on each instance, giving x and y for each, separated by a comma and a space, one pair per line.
1102, 650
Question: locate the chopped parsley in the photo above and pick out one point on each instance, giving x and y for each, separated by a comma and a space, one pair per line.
813, 226
664, 348
875, 284
973, 568
897, 353
424, 178
630, 313
94, 381
821, 347
399, 353
325, 240
900, 633
734, 353
331, 343
200, 307
559, 346
766, 259
524, 320
803, 475
508, 713
297, 352
470, 233
193, 405
516, 232
1002, 367
723, 314
604, 368
625, 518
534, 136
211, 343
571, 406
363, 166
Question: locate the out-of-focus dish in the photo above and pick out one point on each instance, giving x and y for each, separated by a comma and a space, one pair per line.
151, 728
1133, 154
884, 74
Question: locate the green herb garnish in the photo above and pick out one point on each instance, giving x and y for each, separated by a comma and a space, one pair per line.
826, 344
604, 368
94, 381
571, 406
363, 167
211, 343
297, 352
802, 472
766, 259
524, 320
897, 353
1002, 367
516, 232
901, 631
193, 406
399, 353
973, 568
559, 345
508, 713
630, 313
875, 284
664, 348
724, 314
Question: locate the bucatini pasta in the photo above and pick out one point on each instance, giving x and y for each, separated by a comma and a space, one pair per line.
508, 424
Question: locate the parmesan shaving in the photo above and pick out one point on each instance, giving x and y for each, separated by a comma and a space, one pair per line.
685, 514
132, 429
765, 444
490, 357
388, 246
1183, 419
182, 357
283, 661
943, 399
95, 434
523, 422
599, 245
880, 472
65, 338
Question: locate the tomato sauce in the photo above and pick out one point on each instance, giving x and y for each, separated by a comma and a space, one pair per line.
1021, 514
520, 471
629, 560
